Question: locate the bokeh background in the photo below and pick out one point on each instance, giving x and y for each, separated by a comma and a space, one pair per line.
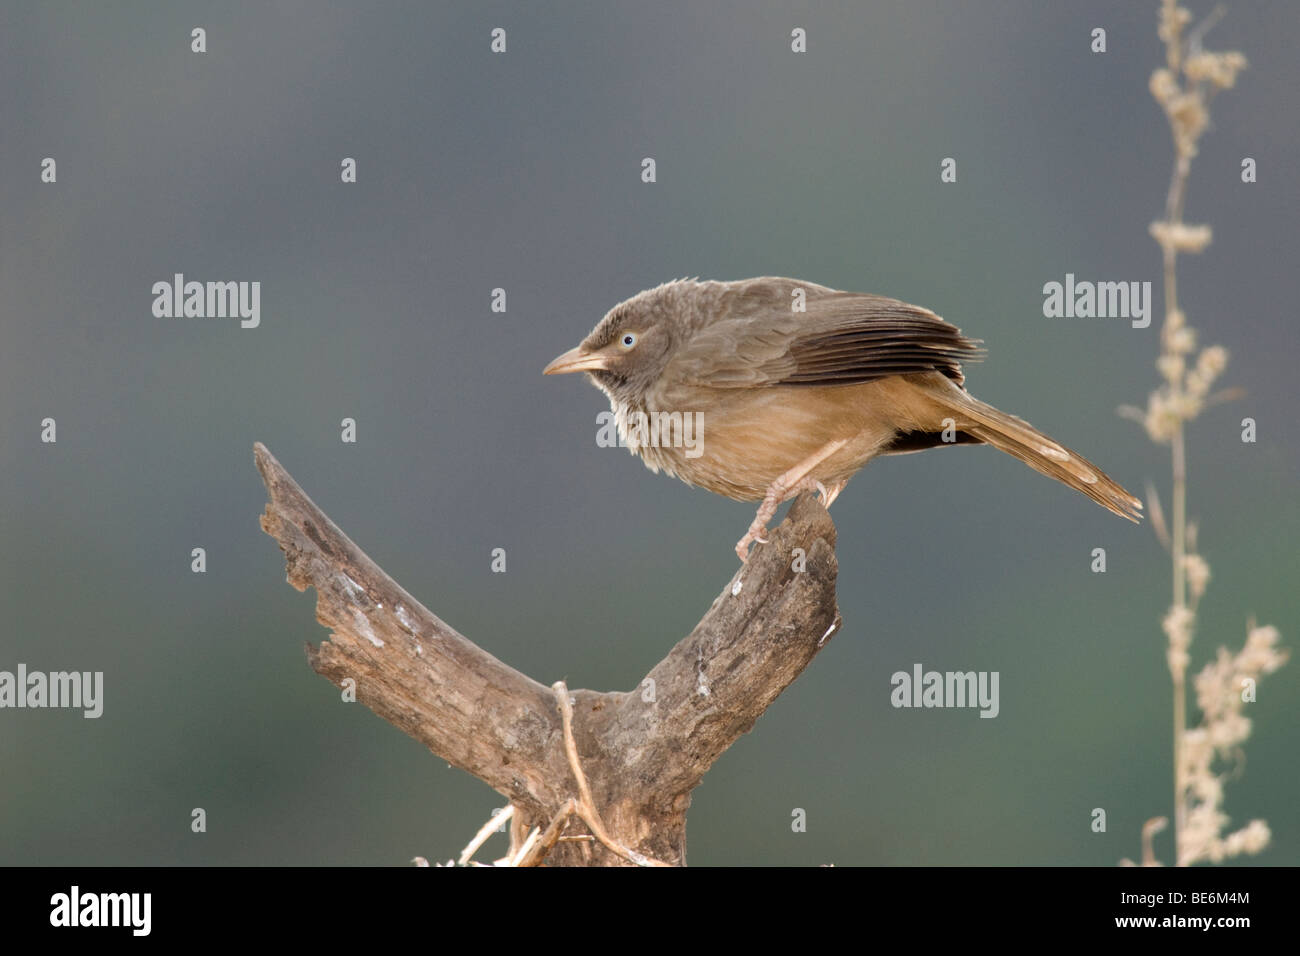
522, 171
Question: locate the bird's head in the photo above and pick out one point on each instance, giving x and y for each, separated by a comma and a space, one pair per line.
629, 348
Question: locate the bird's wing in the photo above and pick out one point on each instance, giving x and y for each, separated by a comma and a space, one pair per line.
844, 338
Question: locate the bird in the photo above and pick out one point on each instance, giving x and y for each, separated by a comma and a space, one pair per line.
793, 387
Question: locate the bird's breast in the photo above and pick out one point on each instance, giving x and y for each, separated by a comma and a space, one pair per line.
737, 441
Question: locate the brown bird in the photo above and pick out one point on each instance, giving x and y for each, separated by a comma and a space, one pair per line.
764, 388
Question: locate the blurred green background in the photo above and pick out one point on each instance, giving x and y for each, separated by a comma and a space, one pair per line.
522, 171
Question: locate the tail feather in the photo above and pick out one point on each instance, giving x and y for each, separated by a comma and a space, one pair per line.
1018, 438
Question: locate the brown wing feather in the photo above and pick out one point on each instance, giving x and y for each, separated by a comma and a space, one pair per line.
844, 338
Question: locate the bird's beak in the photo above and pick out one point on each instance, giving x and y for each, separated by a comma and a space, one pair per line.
576, 360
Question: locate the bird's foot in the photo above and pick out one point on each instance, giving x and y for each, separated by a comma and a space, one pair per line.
758, 527
812, 484
794, 481
828, 493
755, 533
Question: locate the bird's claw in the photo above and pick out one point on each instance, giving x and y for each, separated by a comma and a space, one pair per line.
751, 536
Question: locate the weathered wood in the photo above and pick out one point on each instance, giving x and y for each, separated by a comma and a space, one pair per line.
642, 752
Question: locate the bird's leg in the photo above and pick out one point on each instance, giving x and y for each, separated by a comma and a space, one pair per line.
787, 486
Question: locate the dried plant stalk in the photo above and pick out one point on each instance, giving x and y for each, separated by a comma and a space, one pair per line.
1184, 88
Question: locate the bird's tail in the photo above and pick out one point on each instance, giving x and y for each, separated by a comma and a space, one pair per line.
1018, 438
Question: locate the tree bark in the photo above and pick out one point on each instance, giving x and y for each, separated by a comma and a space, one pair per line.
642, 752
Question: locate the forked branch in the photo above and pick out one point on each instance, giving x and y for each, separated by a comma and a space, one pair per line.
641, 752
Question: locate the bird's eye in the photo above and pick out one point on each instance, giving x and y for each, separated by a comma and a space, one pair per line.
628, 340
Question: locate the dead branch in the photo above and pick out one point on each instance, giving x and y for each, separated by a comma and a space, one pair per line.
632, 758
